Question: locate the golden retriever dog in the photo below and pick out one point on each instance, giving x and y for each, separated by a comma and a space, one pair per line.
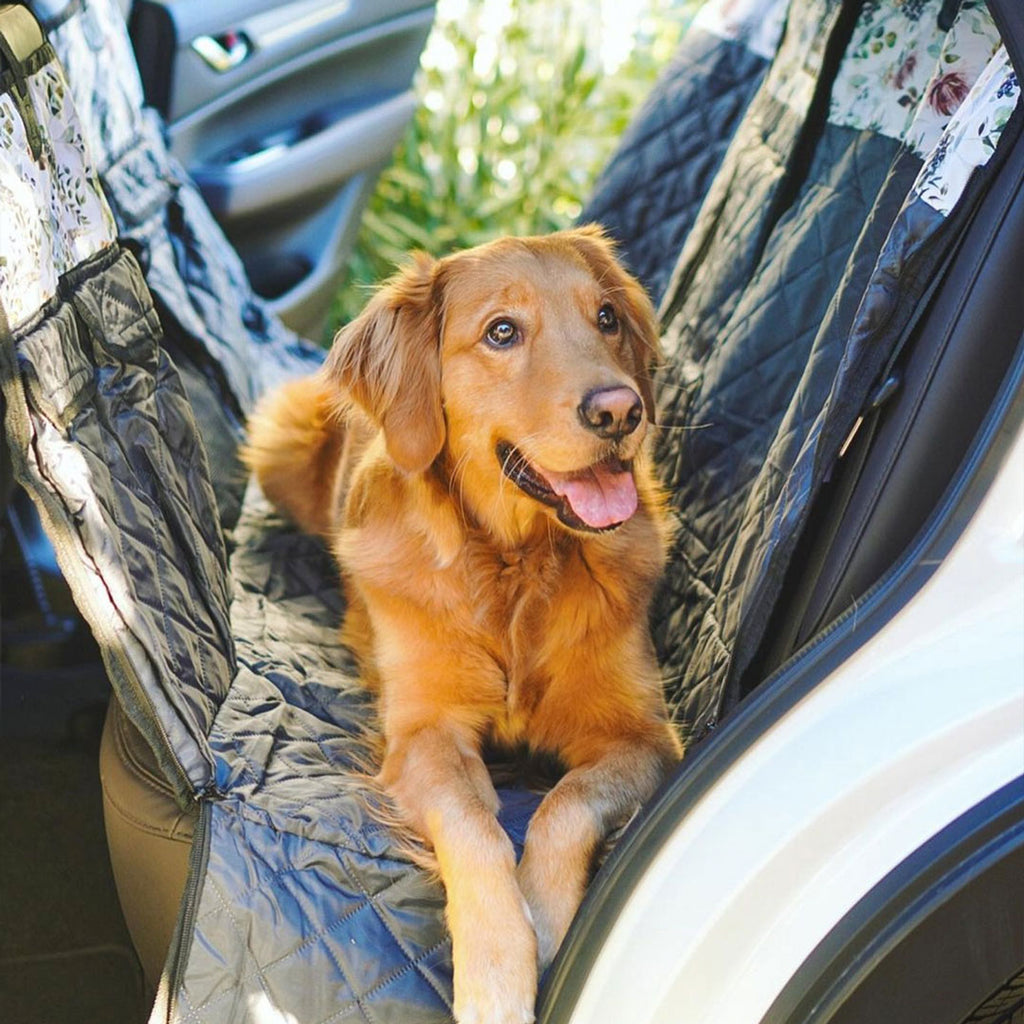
473, 450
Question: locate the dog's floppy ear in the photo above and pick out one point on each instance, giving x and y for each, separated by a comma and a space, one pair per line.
632, 304
389, 361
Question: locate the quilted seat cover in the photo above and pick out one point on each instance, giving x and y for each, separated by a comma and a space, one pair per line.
225, 343
793, 261
838, 194
227, 660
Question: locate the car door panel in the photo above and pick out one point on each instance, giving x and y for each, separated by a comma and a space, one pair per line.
284, 113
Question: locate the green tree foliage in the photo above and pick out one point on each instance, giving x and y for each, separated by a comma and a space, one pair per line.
521, 103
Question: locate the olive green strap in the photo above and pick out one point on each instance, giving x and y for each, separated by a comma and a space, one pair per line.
21, 32
20, 37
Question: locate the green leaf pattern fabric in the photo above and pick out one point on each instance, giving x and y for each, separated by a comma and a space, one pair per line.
39, 238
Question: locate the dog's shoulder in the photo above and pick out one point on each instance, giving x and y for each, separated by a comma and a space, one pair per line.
397, 519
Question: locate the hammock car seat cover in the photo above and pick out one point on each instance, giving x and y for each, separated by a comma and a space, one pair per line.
819, 205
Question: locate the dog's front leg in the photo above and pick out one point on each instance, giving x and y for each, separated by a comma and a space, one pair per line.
573, 819
440, 783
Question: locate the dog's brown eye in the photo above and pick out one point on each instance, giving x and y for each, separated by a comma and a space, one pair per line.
502, 334
607, 321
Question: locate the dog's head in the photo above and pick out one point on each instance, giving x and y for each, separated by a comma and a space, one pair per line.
527, 362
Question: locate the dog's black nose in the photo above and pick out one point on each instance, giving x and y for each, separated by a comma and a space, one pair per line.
611, 412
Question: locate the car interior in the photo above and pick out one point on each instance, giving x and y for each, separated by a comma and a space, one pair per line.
284, 125
283, 114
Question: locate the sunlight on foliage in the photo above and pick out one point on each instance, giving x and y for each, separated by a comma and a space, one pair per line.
521, 104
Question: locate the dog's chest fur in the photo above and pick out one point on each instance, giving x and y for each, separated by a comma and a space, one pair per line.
514, 622
526, 607
513, 596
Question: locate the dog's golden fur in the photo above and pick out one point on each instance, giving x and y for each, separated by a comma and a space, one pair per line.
481, 610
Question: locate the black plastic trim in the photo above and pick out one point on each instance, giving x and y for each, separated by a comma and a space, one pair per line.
956, 360
1009, 19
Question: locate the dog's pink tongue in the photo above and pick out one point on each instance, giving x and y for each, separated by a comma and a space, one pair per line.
601, 496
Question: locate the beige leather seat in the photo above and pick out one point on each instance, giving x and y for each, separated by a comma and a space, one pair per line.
149, 838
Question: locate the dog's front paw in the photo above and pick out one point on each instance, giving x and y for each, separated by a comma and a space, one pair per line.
490, 1010
496, 976
553, 899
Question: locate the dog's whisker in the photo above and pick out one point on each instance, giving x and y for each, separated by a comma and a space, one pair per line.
459, 483
504, 488
664, 384
551, 540
681, 427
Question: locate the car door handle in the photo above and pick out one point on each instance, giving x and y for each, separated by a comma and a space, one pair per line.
223, 52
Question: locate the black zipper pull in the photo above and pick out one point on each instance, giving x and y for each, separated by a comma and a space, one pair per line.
885, 390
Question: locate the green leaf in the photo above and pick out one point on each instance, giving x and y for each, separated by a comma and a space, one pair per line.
567, 124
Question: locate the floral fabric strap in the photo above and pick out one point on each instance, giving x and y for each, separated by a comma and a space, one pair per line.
904, 75
20, 37
55, 215
971, 135
946, 95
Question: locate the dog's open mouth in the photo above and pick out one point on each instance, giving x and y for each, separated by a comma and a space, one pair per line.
600, 497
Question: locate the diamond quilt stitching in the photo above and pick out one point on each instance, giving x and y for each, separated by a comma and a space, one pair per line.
682, 130
736, 407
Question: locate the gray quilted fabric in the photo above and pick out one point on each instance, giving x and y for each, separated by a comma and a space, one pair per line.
801, 273
227, 347
649, 194
290, 831
293, 824
236, 678
205, 300
747, 295
747, 376
103, 437
358, 932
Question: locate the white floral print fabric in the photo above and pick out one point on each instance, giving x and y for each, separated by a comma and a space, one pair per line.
887, 66
971, 135
28, 276
903, 76
97, 53
945, 95
54, 212
757, 24
966, 52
